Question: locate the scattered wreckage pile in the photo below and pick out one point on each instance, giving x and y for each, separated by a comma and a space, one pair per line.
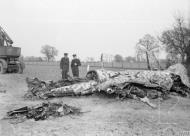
42, 112
140, 85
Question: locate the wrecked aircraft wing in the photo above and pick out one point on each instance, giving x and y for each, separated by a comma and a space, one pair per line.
77, 89
42, 89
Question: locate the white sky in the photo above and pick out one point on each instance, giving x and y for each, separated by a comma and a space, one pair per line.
86, 27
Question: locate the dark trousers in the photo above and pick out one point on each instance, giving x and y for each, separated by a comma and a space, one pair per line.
64, 74
75, 71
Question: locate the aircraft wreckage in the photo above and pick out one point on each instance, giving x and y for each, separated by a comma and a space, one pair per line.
141, 85
138, 85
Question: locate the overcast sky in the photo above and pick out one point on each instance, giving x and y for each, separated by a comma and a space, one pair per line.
86, 27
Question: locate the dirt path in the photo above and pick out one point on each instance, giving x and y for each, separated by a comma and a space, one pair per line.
107, 116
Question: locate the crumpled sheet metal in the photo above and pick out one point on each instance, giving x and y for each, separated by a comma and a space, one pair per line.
100, 75
152, 78
140, 83
147, 78
42, 89
42, 111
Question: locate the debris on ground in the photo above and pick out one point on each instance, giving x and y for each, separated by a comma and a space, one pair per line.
42, 111
140, 85
180, 70
42, 89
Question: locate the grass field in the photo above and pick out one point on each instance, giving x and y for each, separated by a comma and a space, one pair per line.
53, 72
107, 116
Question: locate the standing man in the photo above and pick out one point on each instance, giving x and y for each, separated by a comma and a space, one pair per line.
75, 63
64, 65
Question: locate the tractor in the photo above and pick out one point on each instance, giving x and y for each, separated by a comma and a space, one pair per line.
9, 55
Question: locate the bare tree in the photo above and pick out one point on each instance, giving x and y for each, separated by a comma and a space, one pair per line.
49, 51
118, 58
148, 46
176, 39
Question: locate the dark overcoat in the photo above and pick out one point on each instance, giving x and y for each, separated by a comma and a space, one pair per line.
75, 63
64, 64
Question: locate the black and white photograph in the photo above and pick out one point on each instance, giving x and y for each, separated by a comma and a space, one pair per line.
94, 68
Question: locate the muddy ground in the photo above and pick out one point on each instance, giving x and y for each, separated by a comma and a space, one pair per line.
104, 117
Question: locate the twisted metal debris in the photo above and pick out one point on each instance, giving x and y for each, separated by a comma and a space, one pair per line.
42, 89
42, 111
140, 85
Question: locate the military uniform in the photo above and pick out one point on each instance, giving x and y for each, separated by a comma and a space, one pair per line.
75, 63
64, 65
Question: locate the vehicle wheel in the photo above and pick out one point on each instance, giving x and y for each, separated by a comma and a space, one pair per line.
19, 70
2, 70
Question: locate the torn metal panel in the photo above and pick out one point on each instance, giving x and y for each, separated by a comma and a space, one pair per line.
75, 89
148, 78
42, 89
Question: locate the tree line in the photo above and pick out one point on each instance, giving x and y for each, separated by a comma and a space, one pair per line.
175, 41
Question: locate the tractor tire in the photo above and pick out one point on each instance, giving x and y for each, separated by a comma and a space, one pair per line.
2, 69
